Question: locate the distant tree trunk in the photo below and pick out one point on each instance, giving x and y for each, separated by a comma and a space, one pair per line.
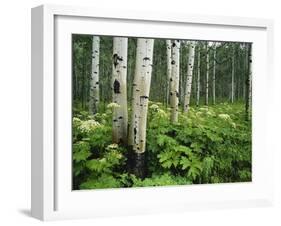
169, 67
245, 74
174, 94
214, 75
198, 78
94, 84
249, 84
207, 74
119, 90
83, 85
141, 88
190, 67
232, 75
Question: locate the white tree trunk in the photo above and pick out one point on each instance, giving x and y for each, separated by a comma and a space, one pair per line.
198, 78
169, 67
207, 75
119, 90
141, 88
94, 84
232, 75
249, 84
191, 55
214, 75
174, 94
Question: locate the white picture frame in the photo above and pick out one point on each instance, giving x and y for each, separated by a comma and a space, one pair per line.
52, 197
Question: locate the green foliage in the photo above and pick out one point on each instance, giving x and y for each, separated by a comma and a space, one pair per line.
209, 145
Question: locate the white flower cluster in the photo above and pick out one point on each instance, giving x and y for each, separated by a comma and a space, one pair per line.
224, 116
154, 107
87, 126
112, 146
161, 113
113, 105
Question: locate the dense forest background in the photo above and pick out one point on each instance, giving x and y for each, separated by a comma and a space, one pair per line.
82, 61
192, 125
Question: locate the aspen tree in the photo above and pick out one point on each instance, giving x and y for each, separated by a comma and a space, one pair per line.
249, 83
191, 55
214, 74
207, 75
94, 84
141, 89
198, 77
232, 74
169, 67
119, 90
174, 93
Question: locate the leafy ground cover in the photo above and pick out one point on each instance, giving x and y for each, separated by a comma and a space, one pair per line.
208, 145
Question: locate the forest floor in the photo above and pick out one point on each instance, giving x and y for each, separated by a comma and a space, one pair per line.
207, 145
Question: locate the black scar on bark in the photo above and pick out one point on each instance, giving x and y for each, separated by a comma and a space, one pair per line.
173, 62
171, 79
177, 94
115, 120
171, 93
116, 58
135, 134
97, 83
174, 44
144, 97
116, 86
95, 72
120, 117
134, 84
146, 58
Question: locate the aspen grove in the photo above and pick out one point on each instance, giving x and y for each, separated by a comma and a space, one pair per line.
157, 112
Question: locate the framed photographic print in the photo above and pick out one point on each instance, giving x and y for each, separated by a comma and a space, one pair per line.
136, 112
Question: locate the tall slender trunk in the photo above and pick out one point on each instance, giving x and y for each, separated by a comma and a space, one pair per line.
214, 75
198, 78
191, 55
83, 85
174, 94
169, 67
249, 84
232, 74
207, 74
119, 90
94, 86
141, 88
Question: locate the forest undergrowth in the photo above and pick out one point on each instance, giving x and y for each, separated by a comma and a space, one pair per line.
209, 145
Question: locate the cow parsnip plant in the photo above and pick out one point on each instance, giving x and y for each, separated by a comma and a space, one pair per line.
209, 145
